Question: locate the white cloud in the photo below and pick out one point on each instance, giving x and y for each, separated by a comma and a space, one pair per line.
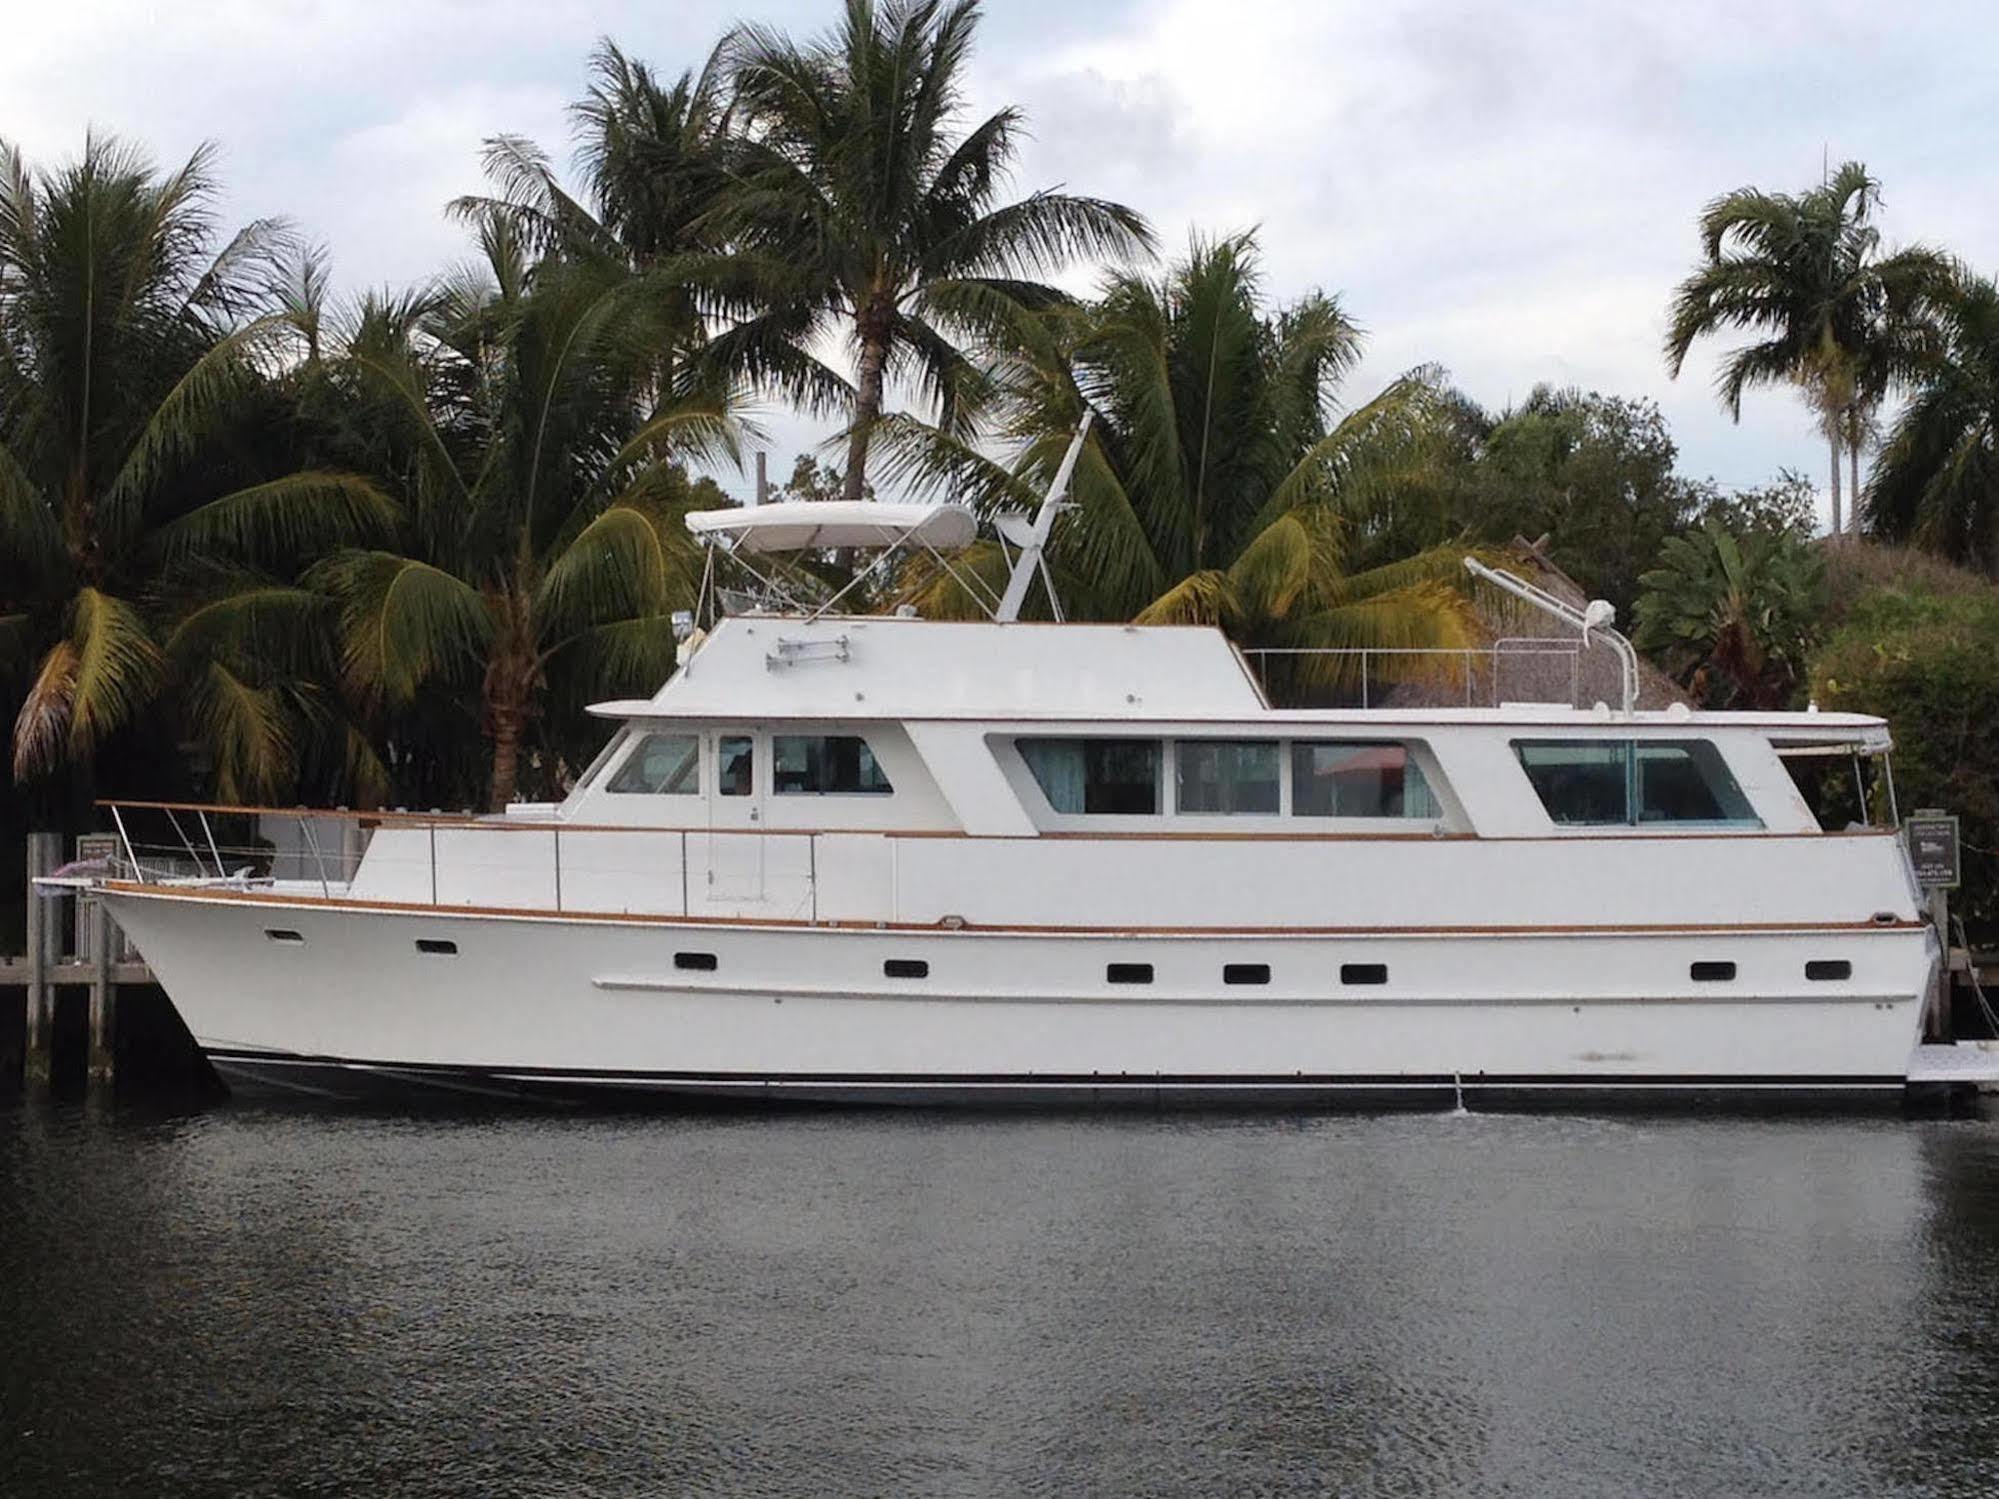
1507, 190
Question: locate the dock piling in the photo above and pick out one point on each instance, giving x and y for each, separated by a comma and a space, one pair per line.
103, 997
38, 1062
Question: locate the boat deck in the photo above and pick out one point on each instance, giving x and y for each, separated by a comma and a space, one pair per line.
1970, 1063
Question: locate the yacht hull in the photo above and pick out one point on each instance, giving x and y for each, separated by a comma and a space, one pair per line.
324, 996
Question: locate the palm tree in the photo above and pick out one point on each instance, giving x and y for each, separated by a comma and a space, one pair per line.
1213, 489
1731, 615
871, 214
144, 538
1837, 316
1937, 482
534, 445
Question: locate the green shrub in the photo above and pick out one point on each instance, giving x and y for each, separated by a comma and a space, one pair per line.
1929, 664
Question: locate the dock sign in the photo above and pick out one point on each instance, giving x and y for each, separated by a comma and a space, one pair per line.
1933, 849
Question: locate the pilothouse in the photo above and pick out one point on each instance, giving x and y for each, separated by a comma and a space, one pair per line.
871, 857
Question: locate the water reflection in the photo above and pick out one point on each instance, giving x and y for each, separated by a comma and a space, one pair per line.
244, 1302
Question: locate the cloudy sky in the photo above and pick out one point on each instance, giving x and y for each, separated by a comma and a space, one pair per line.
1506, 190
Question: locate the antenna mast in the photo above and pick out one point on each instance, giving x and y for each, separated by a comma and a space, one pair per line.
1597, 616
1035, 538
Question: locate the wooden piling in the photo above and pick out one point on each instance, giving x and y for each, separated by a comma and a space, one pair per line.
38, 1051
103, 997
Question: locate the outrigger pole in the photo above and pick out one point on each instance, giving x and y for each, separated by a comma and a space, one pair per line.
1035, 537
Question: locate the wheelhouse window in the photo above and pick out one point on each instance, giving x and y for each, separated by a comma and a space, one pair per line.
736, 764
1237, 776
1623, 782
1357, 779
825, 765
1112, 777
660, 765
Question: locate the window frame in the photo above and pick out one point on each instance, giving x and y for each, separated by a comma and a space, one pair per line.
1178, 746
777, 789
639, 740
1728, 789
1160, 812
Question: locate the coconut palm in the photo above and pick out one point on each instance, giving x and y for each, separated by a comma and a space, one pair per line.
1937, 481
534, 445
1215, 488
144, 529
1837, 317
874, 217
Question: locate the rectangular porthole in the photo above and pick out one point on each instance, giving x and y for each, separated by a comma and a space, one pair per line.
436, 945
1245, 973
285, 935
698, 962
905, 968
1363, 973
1825, 970
1128, 973
1712, 973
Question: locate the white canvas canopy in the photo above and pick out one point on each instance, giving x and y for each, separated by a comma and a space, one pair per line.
803, 525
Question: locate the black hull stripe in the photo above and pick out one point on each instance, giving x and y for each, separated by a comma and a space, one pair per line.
1085, 1082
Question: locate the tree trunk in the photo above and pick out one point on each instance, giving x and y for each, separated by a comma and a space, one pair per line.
1832, 437
507, 725
1853, 494
867, 399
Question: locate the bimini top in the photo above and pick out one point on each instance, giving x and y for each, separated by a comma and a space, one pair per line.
799, 525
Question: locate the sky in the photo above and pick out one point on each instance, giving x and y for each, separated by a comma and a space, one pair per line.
1507, 190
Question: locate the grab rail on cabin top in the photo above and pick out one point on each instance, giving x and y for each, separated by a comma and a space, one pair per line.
1522, 646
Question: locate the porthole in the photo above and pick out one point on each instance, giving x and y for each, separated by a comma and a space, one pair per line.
698, 962
1128, 973
1245, 973
1824, 970
905, 968
1363, 973
285, 935
436, 945
1712, 973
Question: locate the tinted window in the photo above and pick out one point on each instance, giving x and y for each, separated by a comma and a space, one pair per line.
825, 764
1227, 775
736, 764
1605, 782
1357, 780
661, 765
1110, 776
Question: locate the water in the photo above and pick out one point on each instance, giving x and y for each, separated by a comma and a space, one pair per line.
245, 1302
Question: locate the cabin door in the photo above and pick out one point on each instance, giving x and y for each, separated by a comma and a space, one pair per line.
736, 840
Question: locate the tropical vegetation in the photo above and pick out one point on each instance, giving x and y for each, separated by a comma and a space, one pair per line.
259, 540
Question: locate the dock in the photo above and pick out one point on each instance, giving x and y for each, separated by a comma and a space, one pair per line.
1973, 1064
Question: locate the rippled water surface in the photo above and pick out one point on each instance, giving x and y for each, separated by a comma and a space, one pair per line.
285, 1303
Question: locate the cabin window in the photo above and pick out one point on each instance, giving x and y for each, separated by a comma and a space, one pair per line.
661, 765
1227, 776
1611, 782
1245, 973
736, 764
1357, 779
1096, 776
825, 765
1128, 973
1826, 970
1363, 973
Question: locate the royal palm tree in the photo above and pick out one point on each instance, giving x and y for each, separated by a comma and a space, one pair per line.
534, 446
1837, 318
145, 530
1937, 482
1214, 487
873, 217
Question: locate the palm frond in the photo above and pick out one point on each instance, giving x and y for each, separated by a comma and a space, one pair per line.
294, 515
404, 623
